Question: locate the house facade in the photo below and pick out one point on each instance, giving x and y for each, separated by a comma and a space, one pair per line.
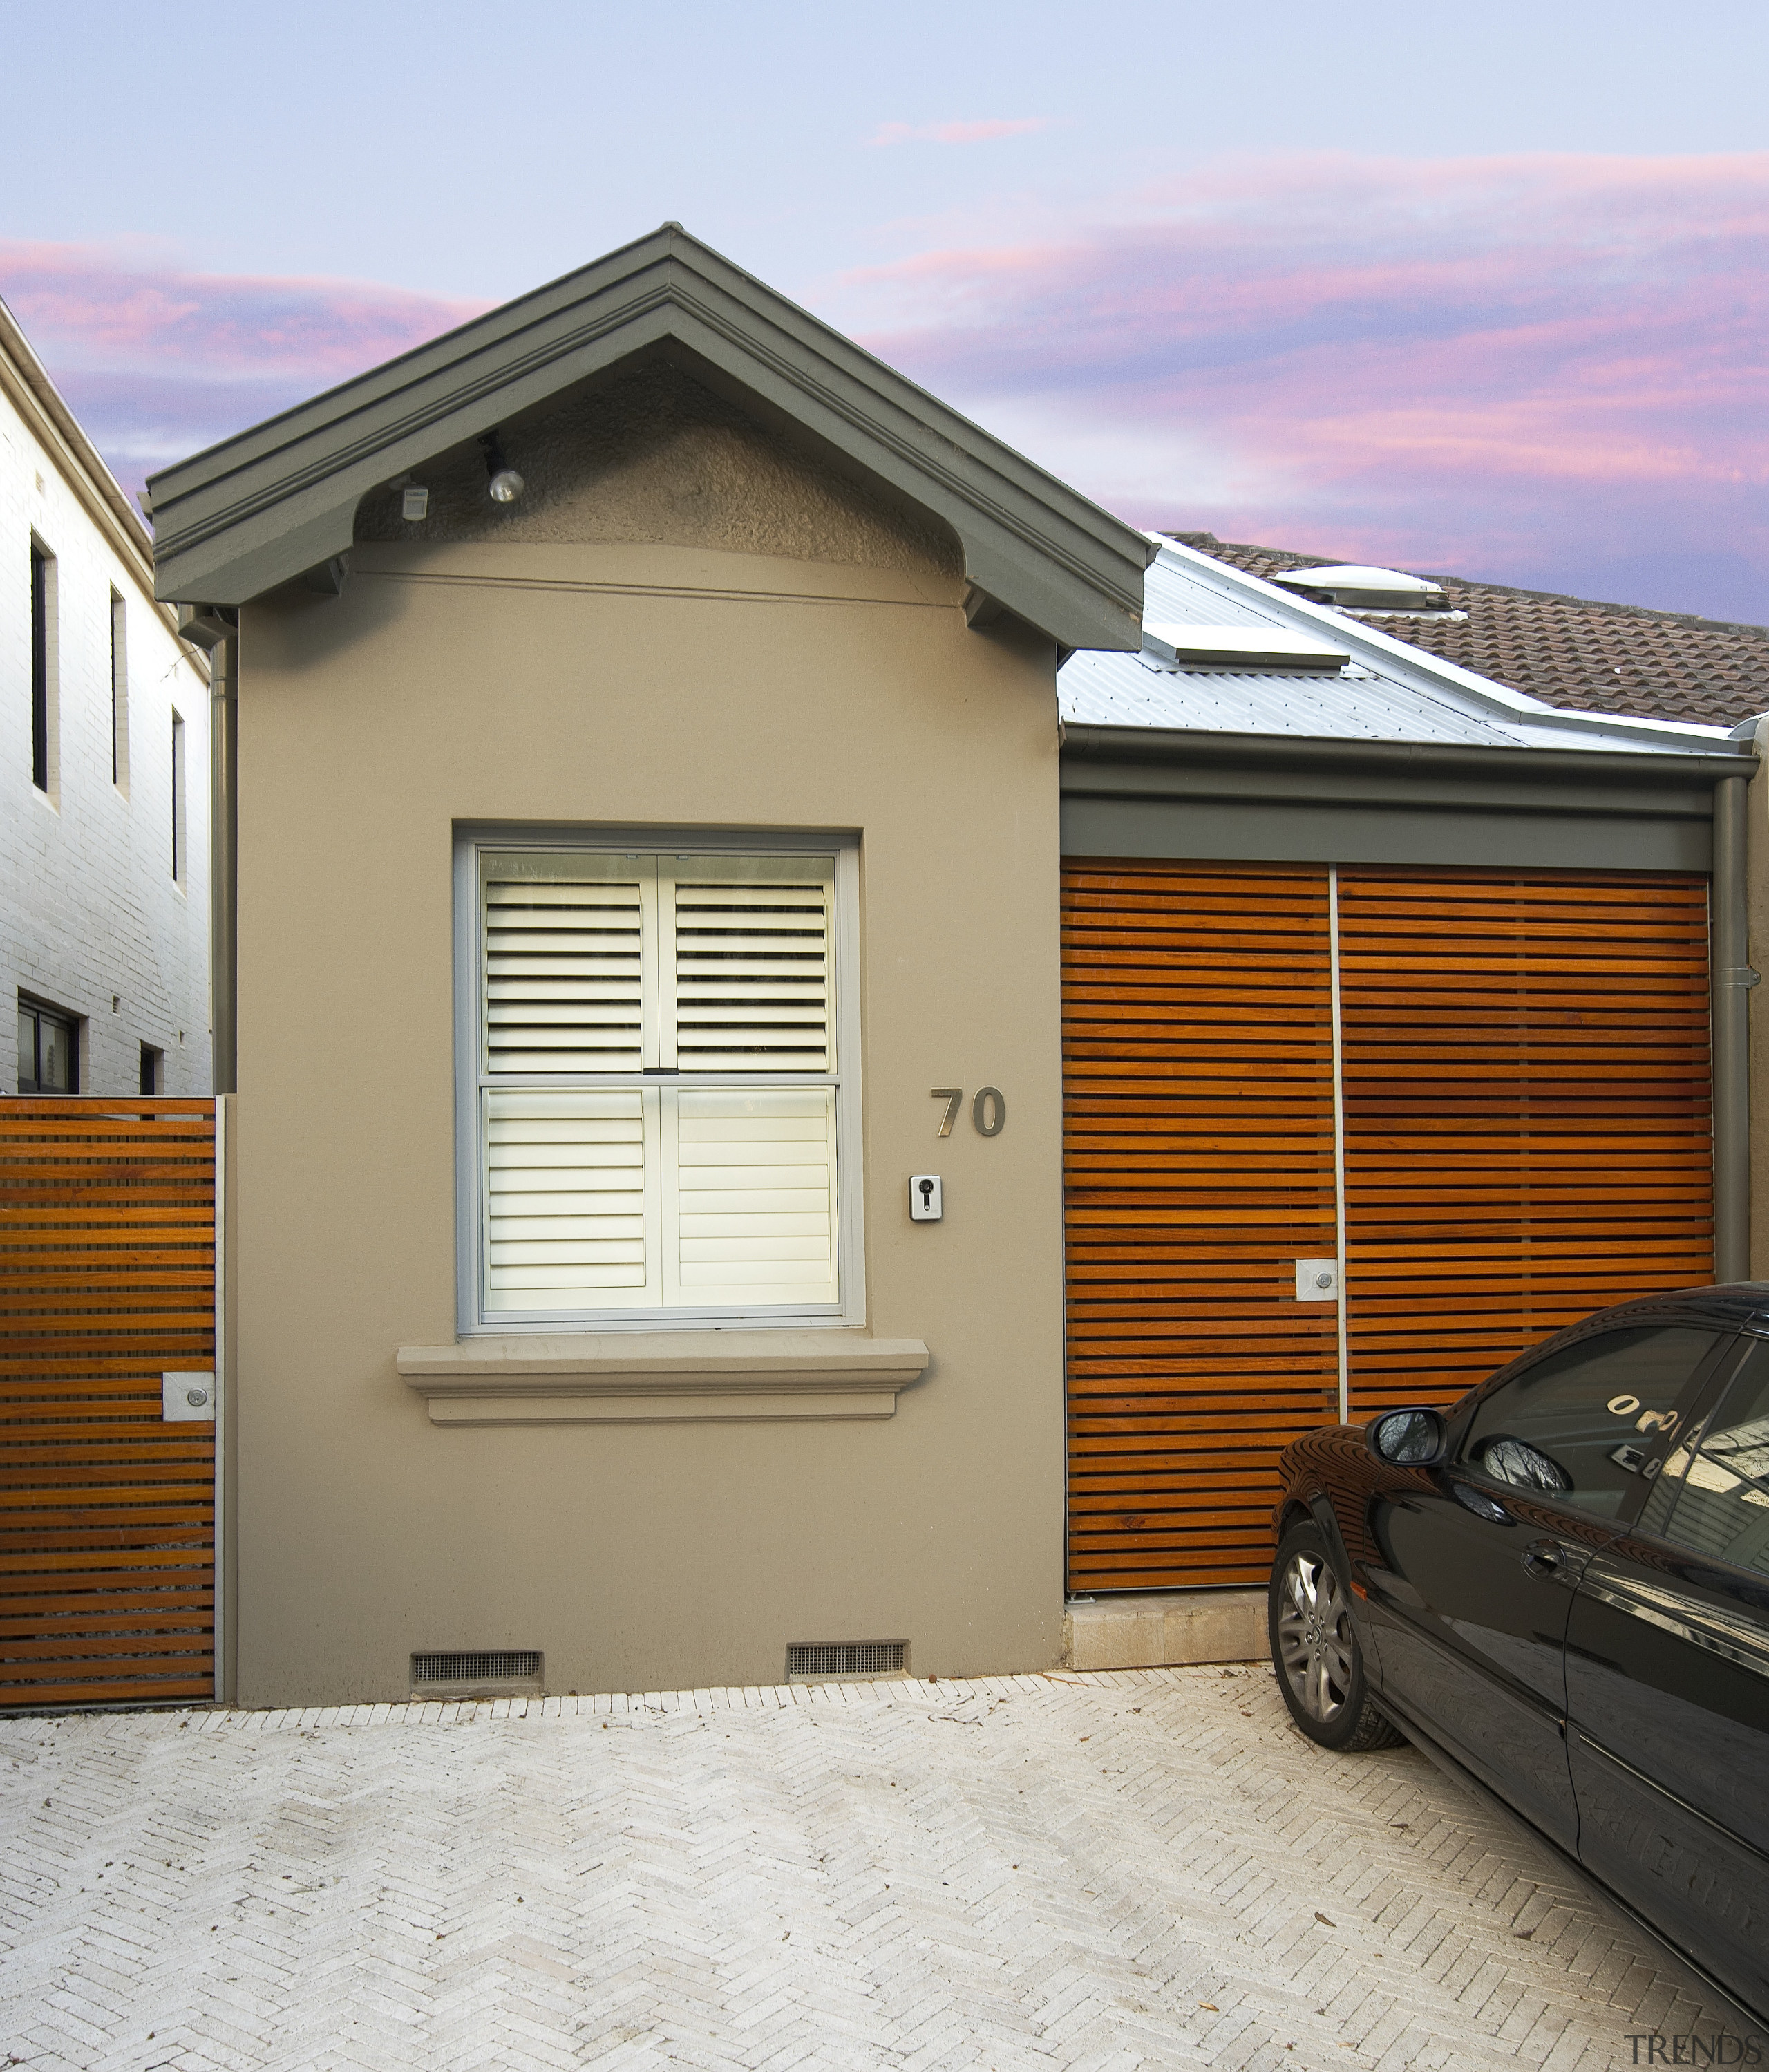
104, 748
647, 869
742, 901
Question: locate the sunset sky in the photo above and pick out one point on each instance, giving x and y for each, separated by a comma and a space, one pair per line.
1481, 291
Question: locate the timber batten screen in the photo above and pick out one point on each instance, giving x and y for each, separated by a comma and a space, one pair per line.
1198, 1157
107, 1281
1527, 1138
1527, 1112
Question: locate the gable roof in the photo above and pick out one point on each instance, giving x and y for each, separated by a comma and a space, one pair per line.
1569, 652
1388, 690
280, 499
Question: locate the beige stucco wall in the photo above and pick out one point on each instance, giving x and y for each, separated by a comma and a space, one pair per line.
674, 687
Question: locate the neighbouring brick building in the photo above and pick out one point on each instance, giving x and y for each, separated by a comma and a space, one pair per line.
104, 773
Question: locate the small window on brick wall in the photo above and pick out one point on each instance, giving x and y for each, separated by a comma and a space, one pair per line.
44, 730
119, 681
180, 861
48, 1051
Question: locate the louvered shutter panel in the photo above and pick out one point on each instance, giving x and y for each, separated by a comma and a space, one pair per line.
746, 962
753, 1209
571, 1193
567, 940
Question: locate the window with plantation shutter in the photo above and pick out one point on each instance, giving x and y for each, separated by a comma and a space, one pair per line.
659, 1099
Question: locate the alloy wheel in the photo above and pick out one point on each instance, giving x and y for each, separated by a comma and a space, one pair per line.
1316, 1649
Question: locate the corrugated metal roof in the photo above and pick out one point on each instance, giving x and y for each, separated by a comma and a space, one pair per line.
1390, 691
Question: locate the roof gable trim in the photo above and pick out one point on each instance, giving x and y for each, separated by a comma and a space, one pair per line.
264, 508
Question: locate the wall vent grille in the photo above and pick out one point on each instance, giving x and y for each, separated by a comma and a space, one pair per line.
845, 1661
505, 1665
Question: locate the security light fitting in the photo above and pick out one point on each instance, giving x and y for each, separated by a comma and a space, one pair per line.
504, 483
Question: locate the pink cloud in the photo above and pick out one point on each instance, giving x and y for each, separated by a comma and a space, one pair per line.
959, 133
158, 362
1553, 371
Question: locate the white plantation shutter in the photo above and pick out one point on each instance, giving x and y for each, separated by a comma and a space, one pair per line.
747, 964
570, 1196
643, 1172
754, 1195
567, 941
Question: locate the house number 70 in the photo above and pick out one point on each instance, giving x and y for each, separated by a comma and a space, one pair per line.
988, 1111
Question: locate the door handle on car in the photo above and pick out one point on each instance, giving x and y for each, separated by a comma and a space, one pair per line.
1553, 1562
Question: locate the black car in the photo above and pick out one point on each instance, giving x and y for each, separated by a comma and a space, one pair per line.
1559, 1588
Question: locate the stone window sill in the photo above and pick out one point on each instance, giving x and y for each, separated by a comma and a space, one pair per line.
662, 1377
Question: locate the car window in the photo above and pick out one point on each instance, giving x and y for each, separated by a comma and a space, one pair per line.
1713, 1497
1579, 1425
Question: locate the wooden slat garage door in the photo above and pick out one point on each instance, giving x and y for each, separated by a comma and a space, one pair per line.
1527, 1113
1199, 1100
1526, 1089
107, 1279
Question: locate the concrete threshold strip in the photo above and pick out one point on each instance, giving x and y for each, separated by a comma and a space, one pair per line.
1165, 1629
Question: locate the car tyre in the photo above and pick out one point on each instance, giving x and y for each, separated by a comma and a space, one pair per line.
1315, 1649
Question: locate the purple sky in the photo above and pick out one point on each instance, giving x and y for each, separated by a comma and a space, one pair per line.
1519, 332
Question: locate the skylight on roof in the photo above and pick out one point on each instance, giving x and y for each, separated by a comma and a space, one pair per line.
1175, 647
1362, 589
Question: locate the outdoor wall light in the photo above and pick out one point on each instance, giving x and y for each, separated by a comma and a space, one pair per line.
414, 503
505, 484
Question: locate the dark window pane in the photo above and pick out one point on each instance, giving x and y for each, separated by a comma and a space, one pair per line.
55, 1050
28, 1052
1720, 1498
1579, 1424
40, 669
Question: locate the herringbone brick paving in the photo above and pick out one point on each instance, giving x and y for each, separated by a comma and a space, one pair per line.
1080, 1873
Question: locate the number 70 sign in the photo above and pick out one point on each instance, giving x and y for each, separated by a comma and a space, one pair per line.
988, 1111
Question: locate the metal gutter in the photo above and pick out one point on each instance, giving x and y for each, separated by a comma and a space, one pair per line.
1175, 748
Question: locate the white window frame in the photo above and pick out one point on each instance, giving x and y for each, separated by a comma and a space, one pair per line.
470, 843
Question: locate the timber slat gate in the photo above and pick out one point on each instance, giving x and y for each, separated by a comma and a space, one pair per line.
1523, 1059
107, 1281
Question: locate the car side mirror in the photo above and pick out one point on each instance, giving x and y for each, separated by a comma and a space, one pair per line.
1410, 1438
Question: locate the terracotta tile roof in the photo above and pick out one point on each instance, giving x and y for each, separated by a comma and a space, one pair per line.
1569, 651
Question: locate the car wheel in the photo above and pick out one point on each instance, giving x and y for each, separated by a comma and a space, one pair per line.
1315, 1649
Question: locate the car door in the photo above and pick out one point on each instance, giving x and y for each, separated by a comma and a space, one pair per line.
1668, 1691
1479, 1560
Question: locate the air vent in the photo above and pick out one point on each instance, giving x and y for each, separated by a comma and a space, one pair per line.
845, 1661
1357, 588
500, 1669
1220, 647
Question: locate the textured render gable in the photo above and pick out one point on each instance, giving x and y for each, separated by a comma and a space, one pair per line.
281, 499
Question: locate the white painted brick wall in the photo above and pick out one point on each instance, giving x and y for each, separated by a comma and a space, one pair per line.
89, 914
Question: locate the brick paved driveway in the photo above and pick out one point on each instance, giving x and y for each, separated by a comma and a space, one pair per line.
1134, 1869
